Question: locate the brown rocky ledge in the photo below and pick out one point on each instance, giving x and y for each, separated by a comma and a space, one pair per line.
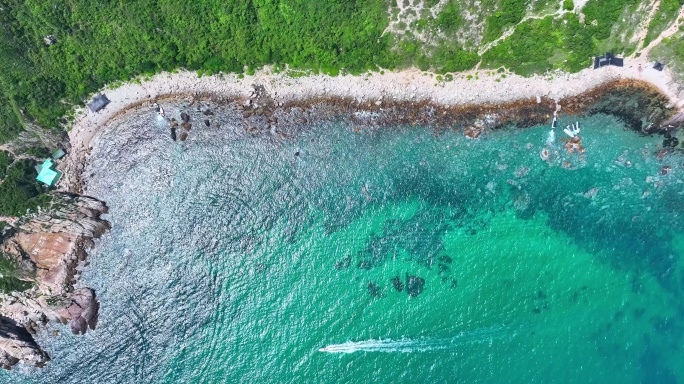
50, 246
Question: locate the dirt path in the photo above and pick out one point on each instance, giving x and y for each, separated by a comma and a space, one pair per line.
671, 30
16, 157
512, 29
642, 29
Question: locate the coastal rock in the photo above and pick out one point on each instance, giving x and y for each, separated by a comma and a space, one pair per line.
82, 313
51, 246
675, 121
18, 346
472, 132
55, 241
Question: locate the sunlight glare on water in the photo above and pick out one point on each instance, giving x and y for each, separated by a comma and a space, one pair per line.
231, 259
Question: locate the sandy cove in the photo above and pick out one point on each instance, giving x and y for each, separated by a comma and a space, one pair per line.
468, 88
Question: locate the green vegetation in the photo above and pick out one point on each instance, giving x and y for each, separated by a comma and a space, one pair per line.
10, 277
568, 5
10, 126
39, 152
450, 19
509, 13
5, 160
20, 191
671, 52
95, 44
603, 15
539, 45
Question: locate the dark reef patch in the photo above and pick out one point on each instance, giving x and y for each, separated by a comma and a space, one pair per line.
375, 290
398, 285
414, 285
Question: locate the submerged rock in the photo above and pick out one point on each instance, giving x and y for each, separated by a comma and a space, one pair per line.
344, 263
414, 285
670, 141
590, 194
398, 285
472, 132
374, 290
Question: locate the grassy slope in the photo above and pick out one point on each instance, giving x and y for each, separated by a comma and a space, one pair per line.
671, 52
665, 14
10, 277
10, 126
19, 190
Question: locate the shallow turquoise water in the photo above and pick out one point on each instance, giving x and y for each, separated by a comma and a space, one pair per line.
231, 259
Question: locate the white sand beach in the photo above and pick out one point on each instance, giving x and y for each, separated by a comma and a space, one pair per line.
469, 88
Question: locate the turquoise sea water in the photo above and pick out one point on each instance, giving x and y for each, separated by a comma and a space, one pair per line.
233, 260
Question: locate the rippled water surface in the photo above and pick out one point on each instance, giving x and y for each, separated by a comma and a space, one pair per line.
235, 258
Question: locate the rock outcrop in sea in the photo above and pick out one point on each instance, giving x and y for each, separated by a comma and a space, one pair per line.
50, 246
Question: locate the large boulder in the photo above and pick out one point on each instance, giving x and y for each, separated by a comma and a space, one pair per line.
83, 311
18, 346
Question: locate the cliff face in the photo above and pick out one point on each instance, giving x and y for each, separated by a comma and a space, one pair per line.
50, 246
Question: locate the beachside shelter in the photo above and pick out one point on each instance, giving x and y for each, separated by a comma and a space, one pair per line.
47, 174
58, 154
658, 66
100, 101
608, 59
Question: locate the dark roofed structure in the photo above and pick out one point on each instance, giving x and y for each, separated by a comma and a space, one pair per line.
658, 66
608, 59
100, 101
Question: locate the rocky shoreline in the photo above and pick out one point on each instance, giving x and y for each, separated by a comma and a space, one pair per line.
640, 105
51, 246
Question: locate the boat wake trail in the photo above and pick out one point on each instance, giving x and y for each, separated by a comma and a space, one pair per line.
421, 344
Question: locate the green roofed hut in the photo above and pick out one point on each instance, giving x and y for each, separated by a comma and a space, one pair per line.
58, 154
47, 174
